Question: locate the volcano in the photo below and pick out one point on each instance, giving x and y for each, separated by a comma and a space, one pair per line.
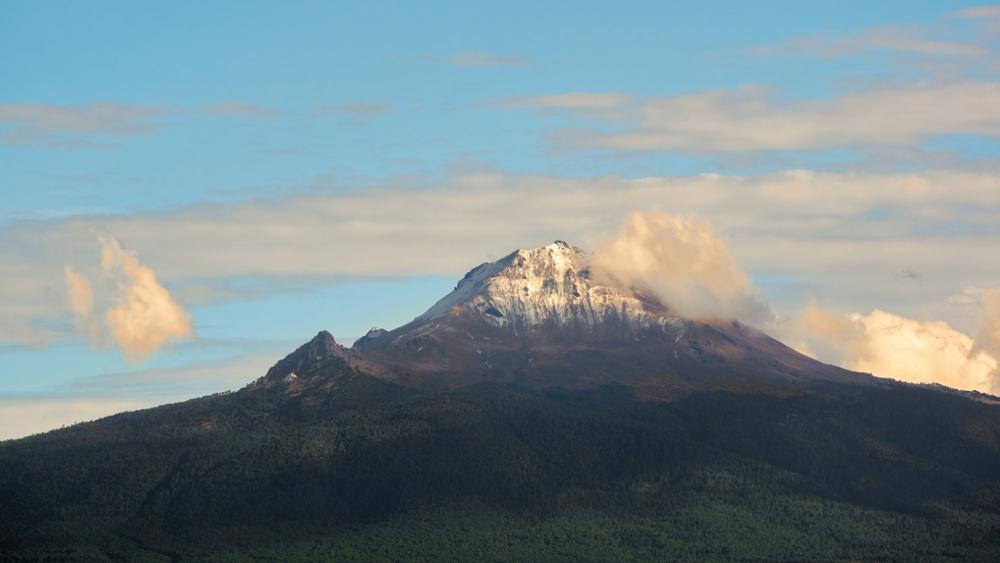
536, 412
539, 318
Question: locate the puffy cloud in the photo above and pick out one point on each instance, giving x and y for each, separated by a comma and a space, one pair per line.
684, 263
922, 352
889, 345
145, 315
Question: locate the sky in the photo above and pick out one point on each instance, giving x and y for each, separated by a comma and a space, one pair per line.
192, 189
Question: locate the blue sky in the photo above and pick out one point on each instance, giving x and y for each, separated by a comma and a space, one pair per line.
299, 58
315, 121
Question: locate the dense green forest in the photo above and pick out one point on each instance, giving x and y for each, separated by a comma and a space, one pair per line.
376, 471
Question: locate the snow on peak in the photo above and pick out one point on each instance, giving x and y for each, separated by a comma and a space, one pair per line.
533, 286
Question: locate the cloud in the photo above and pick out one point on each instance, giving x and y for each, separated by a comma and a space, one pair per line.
101, 124
354, 113
569, 101
841, 236
145, 315
237, 108
984, 11
756, 119
892, 346
51, 125
912, 40
80, 299
989, 322
684, 262
479, 60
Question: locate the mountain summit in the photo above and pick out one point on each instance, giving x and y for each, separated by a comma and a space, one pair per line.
541, 317
550, 285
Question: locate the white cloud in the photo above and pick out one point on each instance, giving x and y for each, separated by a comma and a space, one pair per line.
844, 236
569, 101
756, 119
354, 113
100, 124
479, 59
906, 39
237, 108
983, 11
65, 125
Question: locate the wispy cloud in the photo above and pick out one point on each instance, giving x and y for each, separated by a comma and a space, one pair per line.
844, 234
103, 125
910, 39
752, 119
354, 113
578, 101
51, 125
975, 12
480, 59
236, 108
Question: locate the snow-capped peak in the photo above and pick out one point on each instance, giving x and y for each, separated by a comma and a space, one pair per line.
535, 286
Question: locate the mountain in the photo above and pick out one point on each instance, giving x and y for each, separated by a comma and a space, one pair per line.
536, 412
539, 318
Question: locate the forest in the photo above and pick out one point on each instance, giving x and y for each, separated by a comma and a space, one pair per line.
376, 471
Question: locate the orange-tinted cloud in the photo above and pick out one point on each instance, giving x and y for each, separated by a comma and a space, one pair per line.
684, 262
889, 345
145, 315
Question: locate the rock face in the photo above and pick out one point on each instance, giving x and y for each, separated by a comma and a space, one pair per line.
321, 357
